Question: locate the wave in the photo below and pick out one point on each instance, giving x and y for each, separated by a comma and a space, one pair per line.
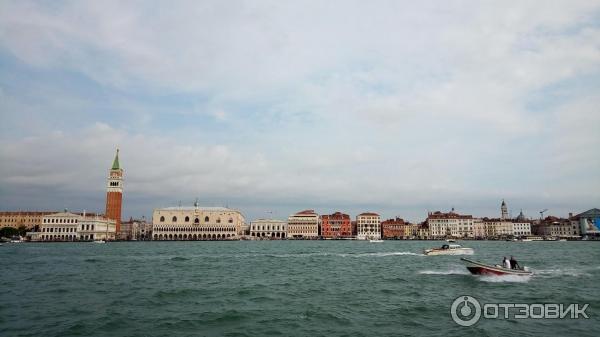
561, 272
179, 258
452, 271
504, 278
381, 254
376, 254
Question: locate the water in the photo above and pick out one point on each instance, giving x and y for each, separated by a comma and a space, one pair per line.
286, 288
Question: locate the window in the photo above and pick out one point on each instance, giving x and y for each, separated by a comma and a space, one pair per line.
206, 219
187, 219
174, 219
162, 219
230, 220
196, 220
218, 220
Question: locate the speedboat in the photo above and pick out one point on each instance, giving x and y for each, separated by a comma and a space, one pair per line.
479, 268
99, 241
375, 241
449, 250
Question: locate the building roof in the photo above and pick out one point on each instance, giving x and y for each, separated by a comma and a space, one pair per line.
336, 215
115, 165
368, 214
592, 213
449, 215
307, 212
191, 208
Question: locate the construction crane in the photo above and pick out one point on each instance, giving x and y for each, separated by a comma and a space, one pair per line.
542, 214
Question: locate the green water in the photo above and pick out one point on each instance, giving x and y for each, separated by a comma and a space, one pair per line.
285, 288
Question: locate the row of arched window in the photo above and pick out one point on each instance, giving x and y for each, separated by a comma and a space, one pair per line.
196, 220
194, 229
59, 220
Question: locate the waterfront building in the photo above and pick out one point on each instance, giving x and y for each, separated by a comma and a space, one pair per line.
67, 226
495, 228
423, 232
303, 225
114, 192
479, 229
588, 222
196, 223
368, 226
135, 230
268, 228
450, 224
521, 228
553, 226
336, 225
395, 229
27, 219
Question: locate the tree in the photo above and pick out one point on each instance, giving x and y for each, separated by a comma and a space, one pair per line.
8, 232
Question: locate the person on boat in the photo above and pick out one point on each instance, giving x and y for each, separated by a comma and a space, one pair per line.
514, 264
506, 263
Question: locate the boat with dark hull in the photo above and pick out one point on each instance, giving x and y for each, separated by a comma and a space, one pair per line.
479, 268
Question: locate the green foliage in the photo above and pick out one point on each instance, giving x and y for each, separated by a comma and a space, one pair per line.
8, 232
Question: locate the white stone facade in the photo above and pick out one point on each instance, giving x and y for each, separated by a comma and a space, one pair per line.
196, 223
450, 224
303, 225
268, 229
368, 226
521, 229
68, 226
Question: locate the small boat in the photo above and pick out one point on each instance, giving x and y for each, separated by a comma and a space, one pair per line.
449, 250
99, 241
479, 268
375, 241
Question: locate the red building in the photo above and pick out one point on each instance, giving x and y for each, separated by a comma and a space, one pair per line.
336, 225
394, 229
114, 193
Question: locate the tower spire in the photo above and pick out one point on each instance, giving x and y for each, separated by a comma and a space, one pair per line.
115, 165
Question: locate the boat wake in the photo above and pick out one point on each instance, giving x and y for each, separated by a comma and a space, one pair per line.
504, 278
381, 254
549, 273
452, 271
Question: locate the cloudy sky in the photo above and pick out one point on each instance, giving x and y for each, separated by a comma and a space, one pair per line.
272, 107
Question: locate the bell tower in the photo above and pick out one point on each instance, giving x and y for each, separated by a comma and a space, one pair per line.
114, 193
504, 210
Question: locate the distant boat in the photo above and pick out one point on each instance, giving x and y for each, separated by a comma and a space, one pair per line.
449, 250
99, 241
479, 268
375, 241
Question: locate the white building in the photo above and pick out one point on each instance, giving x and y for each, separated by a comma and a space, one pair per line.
196, 223
268, 228
450, 225
521, 228
303, 225
368, 226
67, 226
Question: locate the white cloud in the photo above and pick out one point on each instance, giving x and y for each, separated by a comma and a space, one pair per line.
377, 101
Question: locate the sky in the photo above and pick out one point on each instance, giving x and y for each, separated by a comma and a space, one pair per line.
272, 107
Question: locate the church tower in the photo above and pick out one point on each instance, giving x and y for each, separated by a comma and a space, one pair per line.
114, 193
504, 210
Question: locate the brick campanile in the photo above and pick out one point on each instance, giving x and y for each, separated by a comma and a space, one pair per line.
114, 193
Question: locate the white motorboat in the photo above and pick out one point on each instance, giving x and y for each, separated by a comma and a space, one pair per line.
99, 241
375, 241
449, 250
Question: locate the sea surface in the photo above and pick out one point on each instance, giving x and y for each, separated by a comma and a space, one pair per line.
284, 288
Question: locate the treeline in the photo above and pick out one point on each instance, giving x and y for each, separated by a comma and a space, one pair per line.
8, 232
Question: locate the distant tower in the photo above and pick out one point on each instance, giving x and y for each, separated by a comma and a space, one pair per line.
504, 210
114, 193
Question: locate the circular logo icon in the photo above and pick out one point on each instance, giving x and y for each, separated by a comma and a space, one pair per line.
465, 310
